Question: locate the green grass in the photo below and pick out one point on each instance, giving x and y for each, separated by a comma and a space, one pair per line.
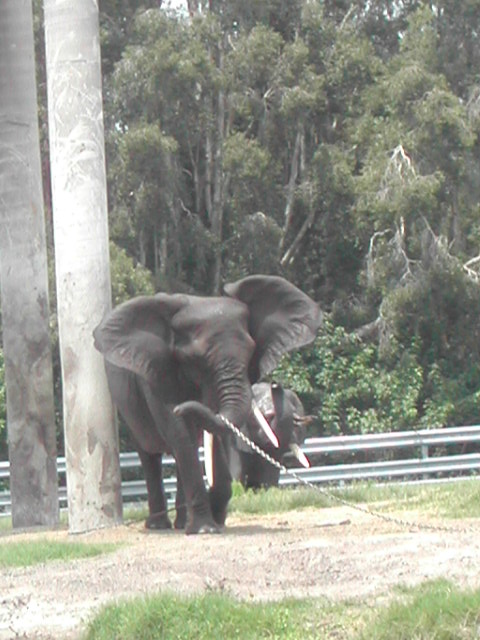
207, 617
274, 500
454, 500
433, 611
24, 554
450, 500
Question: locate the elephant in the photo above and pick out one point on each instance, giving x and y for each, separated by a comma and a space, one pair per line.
177, 364
283, 409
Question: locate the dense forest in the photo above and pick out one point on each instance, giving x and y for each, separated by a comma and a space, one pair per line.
334, 143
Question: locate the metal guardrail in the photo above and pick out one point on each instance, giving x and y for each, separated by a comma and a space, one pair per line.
419, 467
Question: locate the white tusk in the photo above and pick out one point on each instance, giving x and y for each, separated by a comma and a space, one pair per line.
300, 456
264, 424
208, 456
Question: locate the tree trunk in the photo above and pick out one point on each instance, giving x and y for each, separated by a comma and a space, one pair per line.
209, 172
218, 198
82, 259
292, 183
24, 282
289, 255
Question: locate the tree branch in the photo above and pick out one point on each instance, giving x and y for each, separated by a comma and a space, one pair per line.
290, 254
294, 166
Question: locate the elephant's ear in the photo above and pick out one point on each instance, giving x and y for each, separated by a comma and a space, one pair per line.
282, 318
136, 335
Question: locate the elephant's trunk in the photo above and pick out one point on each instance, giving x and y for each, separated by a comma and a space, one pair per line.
228, 396
237, 404
234, 397
200, 415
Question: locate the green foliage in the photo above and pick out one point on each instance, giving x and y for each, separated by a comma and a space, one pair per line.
254, 247
420, 376
435, 311
254, 61
352, 391
25, 554
251, 168
115, 27
325, 141
128, 280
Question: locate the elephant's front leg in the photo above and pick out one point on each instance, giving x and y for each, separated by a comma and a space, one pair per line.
157, 504
190, 473
184, 447
221, 491
180, 505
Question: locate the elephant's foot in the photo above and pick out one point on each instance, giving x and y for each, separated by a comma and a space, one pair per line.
195, 526
198, 525
180, 520
218, 506
158, 521
219, 515
204, 528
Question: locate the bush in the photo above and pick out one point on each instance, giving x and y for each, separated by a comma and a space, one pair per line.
345, 382
353, 387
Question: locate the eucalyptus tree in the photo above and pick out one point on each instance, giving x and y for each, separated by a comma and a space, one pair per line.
165, 152
218, 129
415, 144
116, 20
457, 25
81, 258
24, 288
416, 217
333, 142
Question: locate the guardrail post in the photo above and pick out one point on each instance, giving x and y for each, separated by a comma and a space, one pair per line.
424, 453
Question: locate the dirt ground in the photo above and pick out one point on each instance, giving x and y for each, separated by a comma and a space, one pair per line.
333, 553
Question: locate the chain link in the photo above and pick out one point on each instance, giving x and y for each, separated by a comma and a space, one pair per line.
406, 524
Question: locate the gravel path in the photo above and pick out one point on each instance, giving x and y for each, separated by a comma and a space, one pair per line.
333, 553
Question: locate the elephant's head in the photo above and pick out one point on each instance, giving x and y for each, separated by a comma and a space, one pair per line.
284, 411
214, 347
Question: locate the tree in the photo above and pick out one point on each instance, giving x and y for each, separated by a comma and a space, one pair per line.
212, 147
3, 411
24, 288
116, 19
316, 139
81, 257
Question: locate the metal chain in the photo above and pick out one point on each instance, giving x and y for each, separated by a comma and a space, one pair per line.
407, 524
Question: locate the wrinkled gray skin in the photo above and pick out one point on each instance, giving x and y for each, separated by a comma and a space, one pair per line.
174, 362
284, 412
